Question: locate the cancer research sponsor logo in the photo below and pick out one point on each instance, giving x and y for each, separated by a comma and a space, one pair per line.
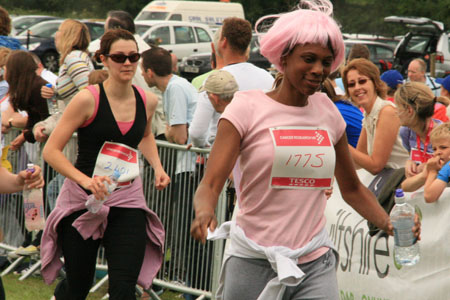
120, 152
301, 137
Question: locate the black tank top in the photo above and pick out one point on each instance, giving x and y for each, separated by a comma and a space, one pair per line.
105, 128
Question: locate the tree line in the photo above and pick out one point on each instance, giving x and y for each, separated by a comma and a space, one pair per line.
355, 16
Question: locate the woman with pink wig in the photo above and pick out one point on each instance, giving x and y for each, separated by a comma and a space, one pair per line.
291, 143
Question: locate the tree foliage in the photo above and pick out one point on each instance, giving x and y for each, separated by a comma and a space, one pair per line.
355, 16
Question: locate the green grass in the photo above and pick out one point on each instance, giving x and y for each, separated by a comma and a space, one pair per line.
34, 288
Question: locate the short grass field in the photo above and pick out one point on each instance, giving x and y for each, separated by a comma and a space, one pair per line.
34, 288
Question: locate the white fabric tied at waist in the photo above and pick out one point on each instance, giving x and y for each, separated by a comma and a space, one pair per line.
282, 259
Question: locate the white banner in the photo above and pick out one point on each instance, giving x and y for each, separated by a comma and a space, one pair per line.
366, 269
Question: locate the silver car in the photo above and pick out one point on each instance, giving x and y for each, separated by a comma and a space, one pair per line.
426, 38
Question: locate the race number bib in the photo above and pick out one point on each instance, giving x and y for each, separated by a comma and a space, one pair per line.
304, 158
116, 156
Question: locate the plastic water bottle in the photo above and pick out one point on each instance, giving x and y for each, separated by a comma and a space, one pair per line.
52, 103
33, 205
406, 250
93, 204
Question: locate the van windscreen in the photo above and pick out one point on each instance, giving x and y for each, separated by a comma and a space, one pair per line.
152, 15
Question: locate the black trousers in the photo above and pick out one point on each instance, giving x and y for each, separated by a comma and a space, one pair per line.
124, 243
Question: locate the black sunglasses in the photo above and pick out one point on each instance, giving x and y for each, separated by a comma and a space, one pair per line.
360, 82
121, 58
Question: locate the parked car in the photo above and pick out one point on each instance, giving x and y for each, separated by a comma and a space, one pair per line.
180, 38
425, 37
381, 54
22, 23
40, 39
195, 65
198, 64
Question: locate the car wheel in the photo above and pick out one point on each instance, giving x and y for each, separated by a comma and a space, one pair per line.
50, 61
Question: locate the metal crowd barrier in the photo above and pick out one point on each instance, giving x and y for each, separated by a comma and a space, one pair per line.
188, 266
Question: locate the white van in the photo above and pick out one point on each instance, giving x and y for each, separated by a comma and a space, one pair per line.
207, 12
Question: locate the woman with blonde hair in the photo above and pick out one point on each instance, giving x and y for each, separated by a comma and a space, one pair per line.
72, 40
379, 149
416, 105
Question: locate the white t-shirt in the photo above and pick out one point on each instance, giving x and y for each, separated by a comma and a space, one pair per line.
204, 125
250, 77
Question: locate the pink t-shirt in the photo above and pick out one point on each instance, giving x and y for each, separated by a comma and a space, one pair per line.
278, 217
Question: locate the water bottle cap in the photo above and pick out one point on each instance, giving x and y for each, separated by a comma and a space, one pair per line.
30, 167
399, 193
49, 85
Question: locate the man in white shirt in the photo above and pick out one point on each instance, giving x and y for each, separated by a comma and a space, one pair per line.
235, 38
230, 46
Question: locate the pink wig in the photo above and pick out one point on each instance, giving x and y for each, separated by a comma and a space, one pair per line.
303, 26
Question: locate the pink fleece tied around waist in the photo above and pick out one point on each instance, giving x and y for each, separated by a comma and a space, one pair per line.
72, 198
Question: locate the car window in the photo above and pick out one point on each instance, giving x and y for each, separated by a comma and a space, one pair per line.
383, 52
175, 17
141, 29
153, 15
372, 51
160, 36
418, 44
95, 30
45, 30
184, 35
202, 34
24, 23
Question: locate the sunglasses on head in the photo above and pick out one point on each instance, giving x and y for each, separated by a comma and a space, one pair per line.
121, 58
360, 82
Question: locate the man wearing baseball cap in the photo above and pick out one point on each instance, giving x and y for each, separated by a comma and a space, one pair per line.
220, 87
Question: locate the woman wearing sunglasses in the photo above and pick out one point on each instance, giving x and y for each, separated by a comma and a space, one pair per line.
291, 142
379, 149
112, 120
